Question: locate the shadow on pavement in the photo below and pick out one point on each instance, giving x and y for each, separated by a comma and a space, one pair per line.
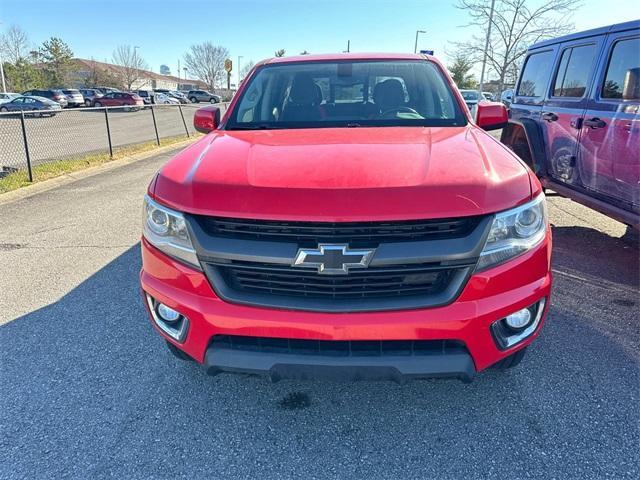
89, 390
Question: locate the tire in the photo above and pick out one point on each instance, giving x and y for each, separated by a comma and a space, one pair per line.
213, 100
511, 361
97, 104
3, 109
193, 100
87, 103
178, 353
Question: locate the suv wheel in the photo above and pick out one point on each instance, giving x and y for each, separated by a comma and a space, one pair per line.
511, 361
193, 99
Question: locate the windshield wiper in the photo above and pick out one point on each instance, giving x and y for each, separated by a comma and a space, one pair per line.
258, 126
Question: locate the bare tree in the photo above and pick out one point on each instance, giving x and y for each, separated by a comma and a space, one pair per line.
206, 62
280, 53
131, 65
516, 26
14, 45
246, 68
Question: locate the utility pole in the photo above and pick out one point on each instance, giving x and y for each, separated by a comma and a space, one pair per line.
486, 47
4, 85
348, 47
239, 79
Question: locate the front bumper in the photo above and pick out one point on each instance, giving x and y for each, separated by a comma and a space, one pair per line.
487, 297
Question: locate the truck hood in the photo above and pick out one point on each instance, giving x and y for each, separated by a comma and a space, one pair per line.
344, 174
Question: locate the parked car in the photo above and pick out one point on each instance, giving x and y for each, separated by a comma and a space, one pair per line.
488, 96
120, 99
162, 99
74, 97
146, 96
52, 94
105, 90
507, 97
471, 98
172, 94
575, 118
181, 97
90, 95
312, 234
37, 106
197, 96
7, 96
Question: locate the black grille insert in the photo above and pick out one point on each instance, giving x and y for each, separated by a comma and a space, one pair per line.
353, 233
338, 348
374, 282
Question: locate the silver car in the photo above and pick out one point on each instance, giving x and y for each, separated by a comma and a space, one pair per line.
74, 97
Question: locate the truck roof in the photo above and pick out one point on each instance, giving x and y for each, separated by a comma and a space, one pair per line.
618, 27
346, 56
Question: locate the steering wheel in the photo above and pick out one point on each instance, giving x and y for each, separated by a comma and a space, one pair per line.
392, 112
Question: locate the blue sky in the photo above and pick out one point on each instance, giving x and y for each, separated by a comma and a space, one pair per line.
164, 29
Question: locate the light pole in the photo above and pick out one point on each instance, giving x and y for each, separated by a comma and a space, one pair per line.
4, 86
135, 62
415, 46
486, 47
239, 79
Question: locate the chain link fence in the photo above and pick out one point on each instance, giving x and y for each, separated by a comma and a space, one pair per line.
29, 139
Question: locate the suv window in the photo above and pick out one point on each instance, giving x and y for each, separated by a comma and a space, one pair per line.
573, 71
535, 74
624, 60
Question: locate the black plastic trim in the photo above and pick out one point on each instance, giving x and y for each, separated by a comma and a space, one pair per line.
398, 367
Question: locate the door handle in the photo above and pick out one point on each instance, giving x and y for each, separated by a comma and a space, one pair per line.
594, 123
627, 127
549, 117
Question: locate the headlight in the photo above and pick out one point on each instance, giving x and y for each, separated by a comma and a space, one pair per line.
166, 230
514, 232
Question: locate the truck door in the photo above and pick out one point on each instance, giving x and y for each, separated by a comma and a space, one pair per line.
609, 158
565, 105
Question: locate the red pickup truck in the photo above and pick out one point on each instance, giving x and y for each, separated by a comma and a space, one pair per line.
347, 219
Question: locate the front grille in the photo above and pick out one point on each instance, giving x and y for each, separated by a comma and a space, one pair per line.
338, 348
373, 282
356, 234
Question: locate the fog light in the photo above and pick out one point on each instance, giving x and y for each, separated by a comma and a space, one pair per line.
167, 314
172, 323
518, 326
518, 320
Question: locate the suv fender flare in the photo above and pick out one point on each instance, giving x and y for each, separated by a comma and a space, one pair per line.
524, 137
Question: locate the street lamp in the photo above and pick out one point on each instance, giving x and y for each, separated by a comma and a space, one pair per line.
135, 62
415, 46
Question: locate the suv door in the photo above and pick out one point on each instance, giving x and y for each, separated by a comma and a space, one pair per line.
533, 83
611, 126
563, 111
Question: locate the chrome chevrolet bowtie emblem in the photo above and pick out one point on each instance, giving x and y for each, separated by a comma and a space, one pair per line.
332, 259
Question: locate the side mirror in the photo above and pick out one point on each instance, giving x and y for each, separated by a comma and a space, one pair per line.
491, 115
206, 119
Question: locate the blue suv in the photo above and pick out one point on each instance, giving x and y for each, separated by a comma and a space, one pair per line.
575, 118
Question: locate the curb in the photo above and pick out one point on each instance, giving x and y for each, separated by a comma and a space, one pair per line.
43, 186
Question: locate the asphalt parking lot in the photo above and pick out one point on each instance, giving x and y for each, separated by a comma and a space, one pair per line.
90, 391
74, 132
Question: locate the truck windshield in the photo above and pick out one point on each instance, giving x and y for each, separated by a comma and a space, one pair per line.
346, 94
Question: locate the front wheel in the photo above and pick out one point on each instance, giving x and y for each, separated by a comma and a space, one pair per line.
4, 109
97, 104
511, 361
193, 100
